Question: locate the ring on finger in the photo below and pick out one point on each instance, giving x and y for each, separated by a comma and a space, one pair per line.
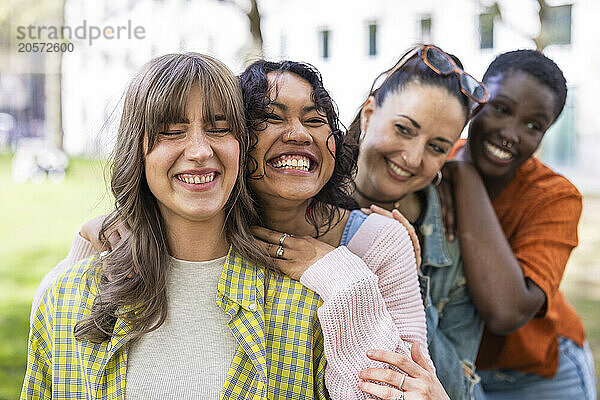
279, 252
402, 383
282, 239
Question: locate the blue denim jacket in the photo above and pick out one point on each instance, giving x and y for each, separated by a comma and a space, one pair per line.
454, 326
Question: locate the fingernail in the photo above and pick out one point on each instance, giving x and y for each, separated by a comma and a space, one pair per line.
370, 353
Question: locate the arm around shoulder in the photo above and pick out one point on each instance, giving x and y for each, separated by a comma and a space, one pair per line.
386, 247
353, 317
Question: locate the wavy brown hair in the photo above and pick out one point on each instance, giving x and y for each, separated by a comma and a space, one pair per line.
132, 276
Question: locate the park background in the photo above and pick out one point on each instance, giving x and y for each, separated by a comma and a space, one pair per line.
70, 101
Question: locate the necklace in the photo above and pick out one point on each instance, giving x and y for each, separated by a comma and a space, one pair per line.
394, 203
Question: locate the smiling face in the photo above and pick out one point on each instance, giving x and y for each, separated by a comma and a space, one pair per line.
511, 126
193, 166
293, 151
407, 140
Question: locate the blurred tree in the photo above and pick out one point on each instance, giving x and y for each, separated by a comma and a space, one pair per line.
17, 13
545, 16
542, 39
250, 9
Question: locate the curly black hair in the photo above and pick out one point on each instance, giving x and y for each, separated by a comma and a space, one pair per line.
412, 69
535, 64
323, 210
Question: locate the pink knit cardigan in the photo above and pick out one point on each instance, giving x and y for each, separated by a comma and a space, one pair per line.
370, 293
371, 300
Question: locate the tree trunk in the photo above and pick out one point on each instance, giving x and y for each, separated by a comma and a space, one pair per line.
53, 106
255, 50
255, 29
541, 40
53, 88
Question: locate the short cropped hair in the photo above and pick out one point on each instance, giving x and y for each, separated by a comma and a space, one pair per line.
535, 64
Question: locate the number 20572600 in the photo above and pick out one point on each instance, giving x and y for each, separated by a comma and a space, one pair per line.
45, 47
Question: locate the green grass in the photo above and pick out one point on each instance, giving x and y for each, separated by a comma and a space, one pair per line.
37, 224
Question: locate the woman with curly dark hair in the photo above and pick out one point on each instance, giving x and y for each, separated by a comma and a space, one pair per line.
301, 173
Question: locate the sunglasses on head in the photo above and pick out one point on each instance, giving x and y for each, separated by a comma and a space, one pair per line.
442, 64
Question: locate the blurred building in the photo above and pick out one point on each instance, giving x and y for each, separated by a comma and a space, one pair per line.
350, 41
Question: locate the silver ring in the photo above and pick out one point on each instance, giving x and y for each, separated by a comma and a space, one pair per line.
279, 252
282, 239
402, 383
403, 156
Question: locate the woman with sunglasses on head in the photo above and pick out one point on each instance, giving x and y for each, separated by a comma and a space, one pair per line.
178, 308
405, 131
517, 224
300, 174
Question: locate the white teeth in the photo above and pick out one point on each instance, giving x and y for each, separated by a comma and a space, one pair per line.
292, 162
397, 170
197, 179
498, 152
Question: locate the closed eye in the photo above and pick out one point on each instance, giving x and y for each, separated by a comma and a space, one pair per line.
316, 121
274, 117
218, 131
171, 133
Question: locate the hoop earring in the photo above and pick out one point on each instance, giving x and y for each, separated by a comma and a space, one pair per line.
438, 179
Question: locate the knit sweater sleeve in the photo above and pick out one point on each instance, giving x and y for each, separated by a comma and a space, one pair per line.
355, 315
385, 246
80, 249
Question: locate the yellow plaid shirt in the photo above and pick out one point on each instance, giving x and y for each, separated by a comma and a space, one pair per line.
280, 353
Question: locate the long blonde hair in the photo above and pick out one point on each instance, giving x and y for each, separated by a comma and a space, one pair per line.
132, 276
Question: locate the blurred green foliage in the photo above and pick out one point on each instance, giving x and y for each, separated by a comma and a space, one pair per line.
37, 224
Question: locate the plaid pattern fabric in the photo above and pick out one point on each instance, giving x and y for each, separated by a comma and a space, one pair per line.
280, 354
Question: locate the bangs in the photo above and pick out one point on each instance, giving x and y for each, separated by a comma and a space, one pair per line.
170, 85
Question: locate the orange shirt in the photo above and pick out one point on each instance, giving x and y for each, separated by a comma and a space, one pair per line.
539, 211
